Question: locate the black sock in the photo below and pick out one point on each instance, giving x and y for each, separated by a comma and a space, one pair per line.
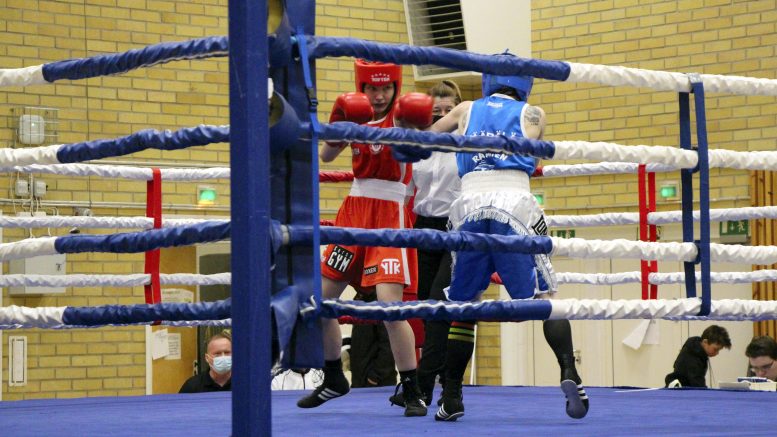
558, 334
409, 377
334, 376
333, 366
461, 343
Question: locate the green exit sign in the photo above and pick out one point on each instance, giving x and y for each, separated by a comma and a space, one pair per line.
563, 233
668, 191
735, 227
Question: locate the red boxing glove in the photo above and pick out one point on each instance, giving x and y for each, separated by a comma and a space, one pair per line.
414, 110
354, 107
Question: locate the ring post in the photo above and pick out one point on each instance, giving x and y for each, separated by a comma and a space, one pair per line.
697, 86
249, 149
686, 184
644, 267
652, 229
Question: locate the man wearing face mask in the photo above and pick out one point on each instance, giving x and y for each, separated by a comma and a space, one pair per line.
219, 377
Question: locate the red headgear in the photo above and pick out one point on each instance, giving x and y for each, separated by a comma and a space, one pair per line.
377, 74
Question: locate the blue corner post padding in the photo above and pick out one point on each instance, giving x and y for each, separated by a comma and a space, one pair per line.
294, 188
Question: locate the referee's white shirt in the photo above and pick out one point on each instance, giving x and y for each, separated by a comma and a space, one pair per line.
437, 184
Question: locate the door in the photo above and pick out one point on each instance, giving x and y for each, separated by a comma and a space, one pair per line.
169, 373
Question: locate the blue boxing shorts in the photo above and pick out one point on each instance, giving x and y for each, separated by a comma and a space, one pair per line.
499, 202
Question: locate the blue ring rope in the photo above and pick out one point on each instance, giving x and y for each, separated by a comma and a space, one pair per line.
507, 310
445, 142
135, 242
324, 46
300, 235
426, 238
146, 313
114, 63
142, 140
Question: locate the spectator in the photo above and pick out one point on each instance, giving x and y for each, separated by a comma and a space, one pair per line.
219, 376
690, 367
761, 354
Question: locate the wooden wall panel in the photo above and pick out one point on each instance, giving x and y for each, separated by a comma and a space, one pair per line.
763, 188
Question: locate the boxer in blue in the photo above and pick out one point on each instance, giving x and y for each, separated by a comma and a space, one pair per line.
495, 199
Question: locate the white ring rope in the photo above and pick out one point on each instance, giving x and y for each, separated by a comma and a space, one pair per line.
611, 152
590, 73
571, 247
671, 251
124, 172
29, 156
660, 218
669, 81
662, 158
25, 317
61, 221
620, 248
555, 221
140, 279
663, 278
28, 248
587, 169
132, 280
25, 76
573, 309
718, 158
674, 309
24, 323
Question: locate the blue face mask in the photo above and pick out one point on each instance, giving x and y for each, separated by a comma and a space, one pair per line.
222, 364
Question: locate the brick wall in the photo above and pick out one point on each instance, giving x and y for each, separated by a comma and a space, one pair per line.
711, 37
107, 361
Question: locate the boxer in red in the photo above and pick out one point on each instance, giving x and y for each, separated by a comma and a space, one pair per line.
377, 200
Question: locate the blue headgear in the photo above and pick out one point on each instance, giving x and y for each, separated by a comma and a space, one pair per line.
521, 84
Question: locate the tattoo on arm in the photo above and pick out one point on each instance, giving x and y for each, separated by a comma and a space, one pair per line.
532, 116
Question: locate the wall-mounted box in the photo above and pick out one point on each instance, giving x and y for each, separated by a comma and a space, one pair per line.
474, 25
38, 265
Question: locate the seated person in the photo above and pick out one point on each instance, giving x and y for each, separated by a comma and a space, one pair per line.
690, 367
761, 354
219, 376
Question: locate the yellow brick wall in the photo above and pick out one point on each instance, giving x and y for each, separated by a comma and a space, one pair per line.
108, 361
710, 37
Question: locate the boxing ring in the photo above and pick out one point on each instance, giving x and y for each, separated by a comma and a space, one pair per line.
275, 271
493, 411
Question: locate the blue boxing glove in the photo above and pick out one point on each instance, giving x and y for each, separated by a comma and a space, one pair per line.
410, 153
